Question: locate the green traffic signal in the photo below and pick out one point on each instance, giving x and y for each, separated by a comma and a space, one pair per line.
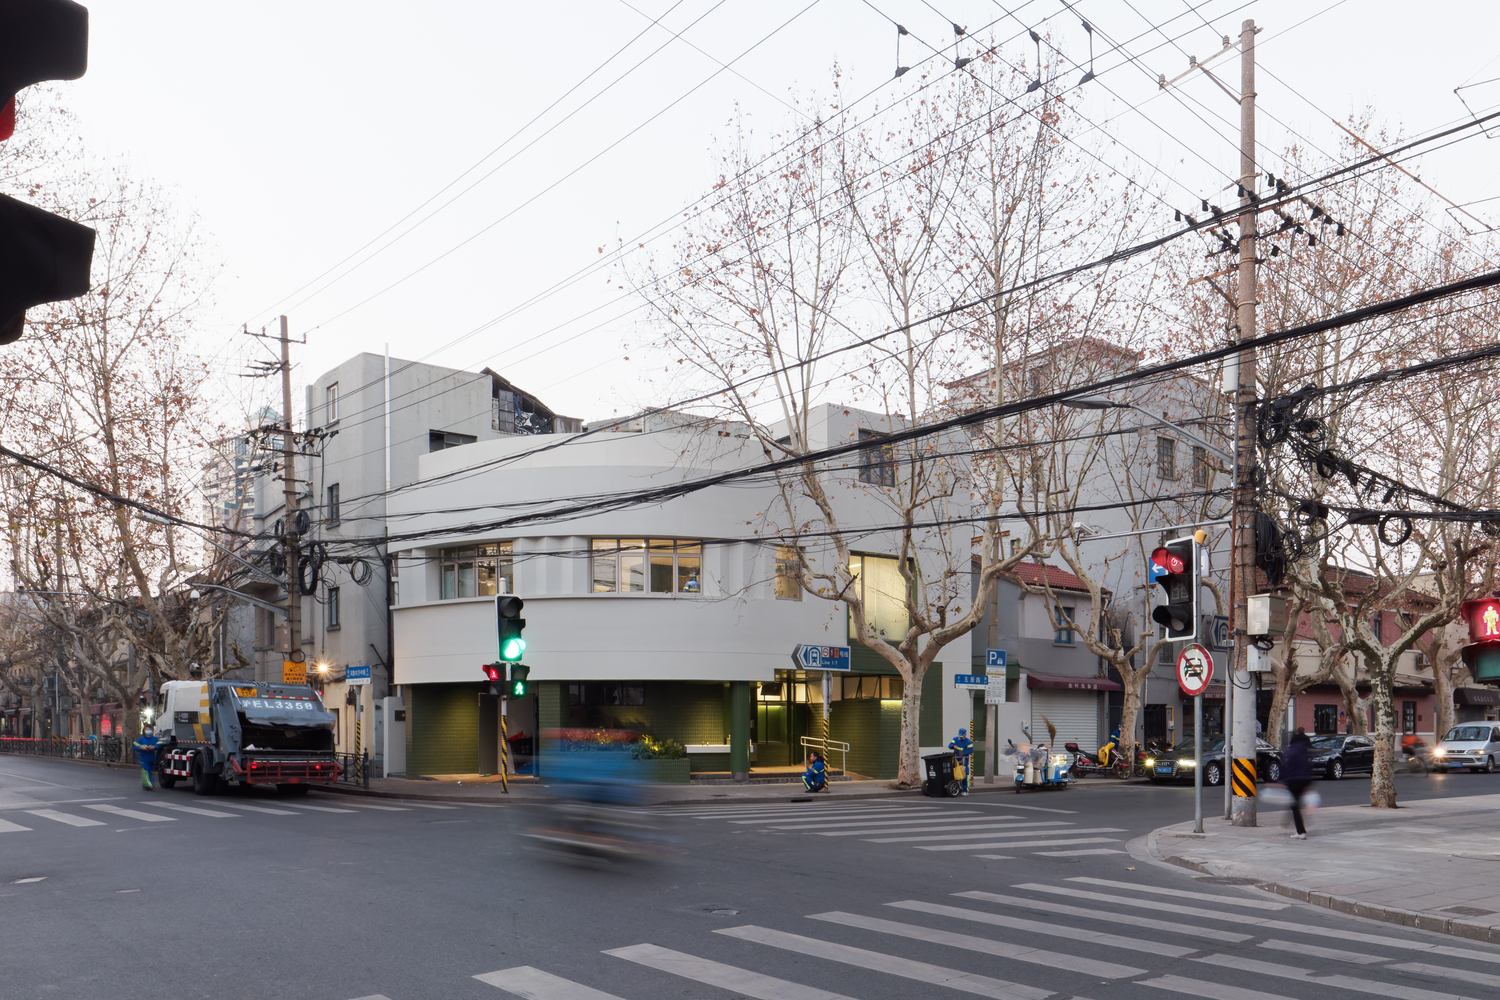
512, 648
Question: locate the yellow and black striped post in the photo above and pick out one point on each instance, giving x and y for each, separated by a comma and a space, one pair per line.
1244, 777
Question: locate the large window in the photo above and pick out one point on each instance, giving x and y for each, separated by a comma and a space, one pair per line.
1325, 719
606, 693
647, 565
1064, 634
877, 462
788, 570
1202, 473
1166, 458
333, 504
878, 583
478, 571
331, 401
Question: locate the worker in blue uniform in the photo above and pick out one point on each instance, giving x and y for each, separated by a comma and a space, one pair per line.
963, 749
145, 755
815, 778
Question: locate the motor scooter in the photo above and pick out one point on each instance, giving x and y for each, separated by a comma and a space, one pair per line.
1085, 763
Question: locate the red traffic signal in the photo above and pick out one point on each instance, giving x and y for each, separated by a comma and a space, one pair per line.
493, 672
1483, 617
1168, 560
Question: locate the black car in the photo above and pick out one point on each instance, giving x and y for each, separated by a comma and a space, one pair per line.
1177, 763
1336, 756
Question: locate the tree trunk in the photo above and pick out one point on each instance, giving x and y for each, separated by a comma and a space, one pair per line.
1442, 695
909, 764
1276, 723
1383, 781
1130, 707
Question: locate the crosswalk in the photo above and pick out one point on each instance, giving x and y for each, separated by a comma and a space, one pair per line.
940, 828
1029, 943
160, 809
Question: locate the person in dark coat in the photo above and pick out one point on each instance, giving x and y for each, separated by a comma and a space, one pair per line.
1296, 771
815, 778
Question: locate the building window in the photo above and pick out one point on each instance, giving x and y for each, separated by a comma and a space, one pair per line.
868, 687
647, 565
606, 693
788, 574
1015, 546
1166, 458
877, 462
878, 584
333, 504
331, 402
333, 607
1064, 634
395, 565
1408, 716
478, 571
1202, 474
1036, 380
1375, 627
1325, 719
438, 440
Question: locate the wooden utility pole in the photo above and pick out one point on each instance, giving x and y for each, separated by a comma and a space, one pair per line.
1242, 723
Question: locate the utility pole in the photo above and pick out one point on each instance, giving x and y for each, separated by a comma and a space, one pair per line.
1242, 723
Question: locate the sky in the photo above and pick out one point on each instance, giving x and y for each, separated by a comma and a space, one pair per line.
310, 139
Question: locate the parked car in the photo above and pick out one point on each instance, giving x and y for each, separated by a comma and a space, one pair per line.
1177, 764
1475, 745
1340, 754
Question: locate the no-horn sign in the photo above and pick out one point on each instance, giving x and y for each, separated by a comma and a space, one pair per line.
1195, 668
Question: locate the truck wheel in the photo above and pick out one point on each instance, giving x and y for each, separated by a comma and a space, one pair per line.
291, 791
203, 783
167, 780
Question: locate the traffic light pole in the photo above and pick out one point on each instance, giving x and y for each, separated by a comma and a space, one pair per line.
1242, 723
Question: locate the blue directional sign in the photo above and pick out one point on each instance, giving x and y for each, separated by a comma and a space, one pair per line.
994, 658
808, 657
971, 681
1154, 572
357, 675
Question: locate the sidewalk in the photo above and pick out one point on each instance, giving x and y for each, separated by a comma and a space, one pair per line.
1432, 864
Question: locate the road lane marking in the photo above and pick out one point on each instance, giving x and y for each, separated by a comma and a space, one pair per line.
1037, 927
1012, 844
987, 946
62, 817
913, 814
1144, 923
864, 821
1324, 980
997, 857
1445, 972
1210, 991
726, 977
923, 972
1337, 954
1254, 904
321, 809
1005, 830
132, 814
371, 805
24, 881
992, 823
428, 805
534, 984
262, 809
196, 810
1079, 854
1040, 809
6, 826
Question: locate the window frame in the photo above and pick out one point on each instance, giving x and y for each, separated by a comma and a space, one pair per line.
1064, 613
499, 559
440, 438
334, 610
331, 404
1325, 711
629, 559
877, 460
1166, 457
787, 555
1201, 470
331, 494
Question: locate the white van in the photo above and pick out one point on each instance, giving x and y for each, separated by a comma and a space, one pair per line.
1474, 744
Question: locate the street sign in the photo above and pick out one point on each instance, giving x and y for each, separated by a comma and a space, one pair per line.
357, 675
1220, 638
979, 681
994, 658
822, 657
1195, 668
1154, 572
293, 673
994, 692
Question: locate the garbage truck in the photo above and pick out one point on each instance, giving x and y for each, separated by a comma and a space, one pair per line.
217, 732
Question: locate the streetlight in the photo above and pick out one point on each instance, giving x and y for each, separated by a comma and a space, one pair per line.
1104, 403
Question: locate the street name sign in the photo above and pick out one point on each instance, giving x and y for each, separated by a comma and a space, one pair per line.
357, 675
977, 681
994, 658
1195, 668
808, 657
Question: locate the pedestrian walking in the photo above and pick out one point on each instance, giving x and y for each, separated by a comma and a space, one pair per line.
145, 755
1296, 771
815, 778
963, 749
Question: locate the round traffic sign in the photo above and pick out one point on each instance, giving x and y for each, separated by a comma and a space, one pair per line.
1195, 668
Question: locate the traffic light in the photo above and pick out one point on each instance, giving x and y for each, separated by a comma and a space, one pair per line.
1482, 654
508, 616
1175, 567
43, 257
495, 674
518, 674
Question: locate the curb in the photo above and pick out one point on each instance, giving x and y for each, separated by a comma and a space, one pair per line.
1417, 920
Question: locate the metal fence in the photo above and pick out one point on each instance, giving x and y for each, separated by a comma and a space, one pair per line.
101, 748
354, 768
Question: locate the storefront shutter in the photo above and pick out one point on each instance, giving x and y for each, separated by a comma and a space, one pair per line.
1075, 714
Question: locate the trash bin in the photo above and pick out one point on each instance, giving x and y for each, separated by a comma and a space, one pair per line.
941, 777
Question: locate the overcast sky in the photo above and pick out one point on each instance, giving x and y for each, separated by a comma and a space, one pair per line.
300, 132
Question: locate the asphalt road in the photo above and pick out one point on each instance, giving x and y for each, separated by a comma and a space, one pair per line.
106, 890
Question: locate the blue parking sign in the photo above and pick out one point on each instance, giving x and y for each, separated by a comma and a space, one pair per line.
994, 658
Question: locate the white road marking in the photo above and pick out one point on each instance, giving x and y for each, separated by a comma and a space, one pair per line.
1145, 923
726, 977
1317, 951
1324, 980
1040, 809
23, 881
1254, 904
371, 805
1008, 830
6, 826
914, 814
997, 857
534, 984
428, 805
865, 821
197, 810
133, 814
1445, 972
923, 972
1079, 854
62, 817
1037, 927
987, 946
262, 809
1019, 843
322, 809
1209, 991
992, 823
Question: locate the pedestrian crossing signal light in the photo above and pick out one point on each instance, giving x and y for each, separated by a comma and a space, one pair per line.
518, 674
1175, 568
1482, 654
508, 617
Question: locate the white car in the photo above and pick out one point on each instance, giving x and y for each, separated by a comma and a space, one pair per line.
1474, 745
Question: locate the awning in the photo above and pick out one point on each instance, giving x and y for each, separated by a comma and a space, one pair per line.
1071, 683
1476, 696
